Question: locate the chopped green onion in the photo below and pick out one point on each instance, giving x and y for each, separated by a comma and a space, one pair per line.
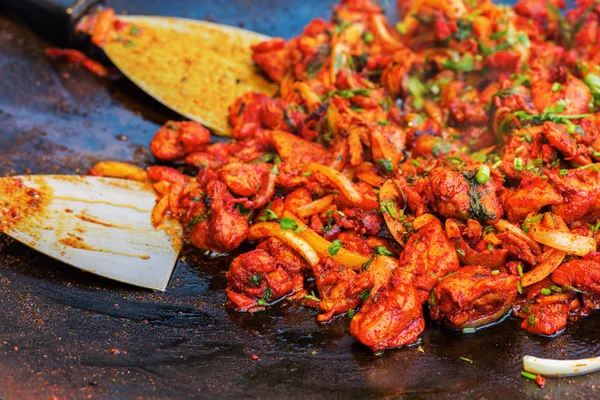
528, 375
387, 164
495, 272
546, 292
351, 313
312, 296
593, 82
367, 37
534, 219
519, 287
468, 330
592, 166
556, 87
307, 173
518, 164
415, 162
387, 206
520, 269
483, 175
466, 359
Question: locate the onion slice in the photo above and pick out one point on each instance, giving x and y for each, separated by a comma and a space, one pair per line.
267, 229
344, 184
315, 207
564, 241
322, 245
392, 204
552, 260
548, 367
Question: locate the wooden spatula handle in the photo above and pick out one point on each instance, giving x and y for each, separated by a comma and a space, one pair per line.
55, 20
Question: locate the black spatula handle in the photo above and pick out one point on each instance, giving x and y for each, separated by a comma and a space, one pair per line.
55, 20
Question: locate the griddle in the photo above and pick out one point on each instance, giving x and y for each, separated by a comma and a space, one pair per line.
69, 334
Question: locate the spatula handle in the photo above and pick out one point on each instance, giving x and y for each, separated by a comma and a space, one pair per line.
55, 20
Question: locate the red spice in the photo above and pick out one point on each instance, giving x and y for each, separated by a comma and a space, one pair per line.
540, 380
78, 57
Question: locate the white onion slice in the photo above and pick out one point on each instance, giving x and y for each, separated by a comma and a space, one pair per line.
567, 242
548, 367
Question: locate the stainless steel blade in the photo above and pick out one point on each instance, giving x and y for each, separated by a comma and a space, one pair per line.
100, 225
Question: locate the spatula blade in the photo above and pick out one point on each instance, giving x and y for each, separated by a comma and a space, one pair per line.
100, 225
196, 68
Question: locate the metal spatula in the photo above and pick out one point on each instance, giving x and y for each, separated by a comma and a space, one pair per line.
100, 225
196, 68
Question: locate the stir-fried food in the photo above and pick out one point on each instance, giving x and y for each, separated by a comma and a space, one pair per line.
446, 165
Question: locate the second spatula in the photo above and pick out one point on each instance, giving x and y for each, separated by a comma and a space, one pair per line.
196, 68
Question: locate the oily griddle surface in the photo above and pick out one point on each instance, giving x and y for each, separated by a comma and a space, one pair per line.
69, 334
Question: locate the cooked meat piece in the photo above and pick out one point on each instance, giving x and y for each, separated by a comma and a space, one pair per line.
457, 194
339, 288
532, 195
176, 139
393, 317
546, 319
580, 190
473, 296
428, 256
573, 90
226, 228
255, 279
243, 179
581, 274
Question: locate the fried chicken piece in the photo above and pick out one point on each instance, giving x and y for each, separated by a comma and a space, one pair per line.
546, 319
339, 288
574, 91
581, 274
448, 193
532, 195
297, 151
243, 179
580, 190
176, 139
428, 256
226, 228
457, 194
285, 256
473, 296
393, 317
272, 57
257, 278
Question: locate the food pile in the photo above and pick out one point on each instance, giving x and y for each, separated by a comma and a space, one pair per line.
444, 165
